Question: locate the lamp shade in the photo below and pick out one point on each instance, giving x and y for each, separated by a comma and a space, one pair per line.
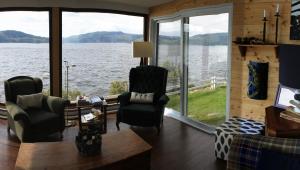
142, 49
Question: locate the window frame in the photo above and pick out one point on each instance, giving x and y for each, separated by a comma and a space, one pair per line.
96, 10
39, 9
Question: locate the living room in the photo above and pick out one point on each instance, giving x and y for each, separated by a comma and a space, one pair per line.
82, 49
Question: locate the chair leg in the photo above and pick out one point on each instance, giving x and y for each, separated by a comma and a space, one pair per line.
158, 129
61, 135
8, 129
117, 124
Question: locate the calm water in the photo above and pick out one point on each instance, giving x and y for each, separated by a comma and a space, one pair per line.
96, 64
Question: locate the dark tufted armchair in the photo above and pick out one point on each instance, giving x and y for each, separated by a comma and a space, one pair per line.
144, 79
32, 124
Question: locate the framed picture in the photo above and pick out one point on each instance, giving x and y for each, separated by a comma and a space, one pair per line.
295, 20
283, 96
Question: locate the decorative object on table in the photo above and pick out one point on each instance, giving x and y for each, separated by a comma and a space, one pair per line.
291, 114
89, 139
93, 100
258, 80
142, 50
144, 79
295, 20
277, 15
264, 26
68, 123
46, 113
248, 40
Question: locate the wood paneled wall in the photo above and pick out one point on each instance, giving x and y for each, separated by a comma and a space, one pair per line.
247, 16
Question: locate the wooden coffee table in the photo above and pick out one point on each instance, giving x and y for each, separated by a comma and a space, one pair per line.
120, 150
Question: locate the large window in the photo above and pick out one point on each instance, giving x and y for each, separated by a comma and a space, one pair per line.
24, 46
97, 52
194, 48
169, 52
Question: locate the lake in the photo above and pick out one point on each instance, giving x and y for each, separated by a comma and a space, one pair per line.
97, 64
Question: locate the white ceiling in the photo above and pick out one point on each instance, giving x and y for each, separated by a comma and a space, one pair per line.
139, 6
139, 3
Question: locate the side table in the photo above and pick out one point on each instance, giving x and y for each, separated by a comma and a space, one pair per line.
102, 118
280, 127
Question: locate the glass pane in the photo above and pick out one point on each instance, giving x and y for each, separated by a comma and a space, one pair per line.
169, 56
97, 51
24, 47
207, 73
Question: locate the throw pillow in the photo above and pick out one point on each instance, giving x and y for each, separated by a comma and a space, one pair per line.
276, 160
30, 101
141, 97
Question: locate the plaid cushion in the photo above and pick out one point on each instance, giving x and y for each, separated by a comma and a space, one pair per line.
245, 150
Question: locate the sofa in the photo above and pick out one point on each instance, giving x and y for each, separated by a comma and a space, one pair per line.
261, 152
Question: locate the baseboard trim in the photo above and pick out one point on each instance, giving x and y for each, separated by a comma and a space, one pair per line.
198, 125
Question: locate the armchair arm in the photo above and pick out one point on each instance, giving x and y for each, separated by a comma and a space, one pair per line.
56, 104
124, 98
16, 112
163, 100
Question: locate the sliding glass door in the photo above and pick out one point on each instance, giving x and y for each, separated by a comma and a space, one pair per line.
169, 52
207, 68
194, 49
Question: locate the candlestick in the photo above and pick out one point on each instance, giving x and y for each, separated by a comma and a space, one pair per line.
264, 29
277, 15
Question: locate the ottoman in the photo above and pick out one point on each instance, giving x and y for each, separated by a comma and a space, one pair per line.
224, 133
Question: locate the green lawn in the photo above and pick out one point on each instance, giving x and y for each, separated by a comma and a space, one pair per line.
208, 106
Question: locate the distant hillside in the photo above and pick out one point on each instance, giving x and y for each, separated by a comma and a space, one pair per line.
210, 39
103, 37
12, 36
199, 39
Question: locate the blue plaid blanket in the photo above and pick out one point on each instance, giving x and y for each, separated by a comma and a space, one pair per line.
245, 150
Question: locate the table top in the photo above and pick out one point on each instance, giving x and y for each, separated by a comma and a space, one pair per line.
116, 147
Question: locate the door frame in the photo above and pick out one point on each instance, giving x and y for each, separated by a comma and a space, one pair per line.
181, 15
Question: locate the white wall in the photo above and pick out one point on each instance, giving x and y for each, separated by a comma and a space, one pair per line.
73, 4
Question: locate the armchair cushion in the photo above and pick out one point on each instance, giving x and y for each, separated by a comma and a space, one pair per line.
139, 108
141, 97
43, 120
30, 101
139, 114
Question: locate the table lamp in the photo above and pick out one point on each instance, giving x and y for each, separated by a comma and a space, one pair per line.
142, 50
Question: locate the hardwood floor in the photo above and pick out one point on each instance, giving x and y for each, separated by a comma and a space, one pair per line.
178, 147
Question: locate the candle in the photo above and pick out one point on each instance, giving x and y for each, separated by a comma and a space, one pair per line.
277, 9
264, 13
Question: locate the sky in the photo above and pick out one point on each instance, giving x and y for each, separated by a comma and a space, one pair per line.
37, 23
198, 25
